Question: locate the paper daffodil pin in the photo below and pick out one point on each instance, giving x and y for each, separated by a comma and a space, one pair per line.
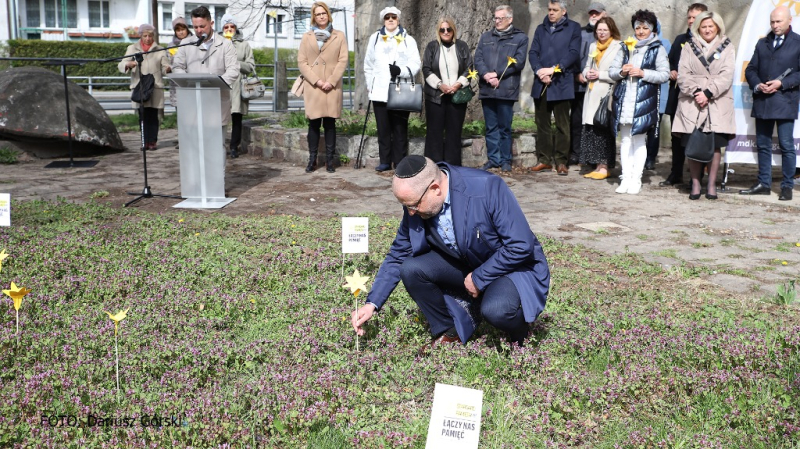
630, 42
385, 37
118, 317
511, 61
3, 256
594, 54
16, 294
557, 68
399, 39
172, 51
473, 74
356, 283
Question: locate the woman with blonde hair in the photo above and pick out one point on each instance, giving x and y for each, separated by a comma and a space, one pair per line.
445, 66
156, 64
705, 80
322, 59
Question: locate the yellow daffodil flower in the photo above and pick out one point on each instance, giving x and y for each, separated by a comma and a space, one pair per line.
180, 221
356, 283
118, 317
3, 257
557, 69
594, 54
784, 263
473, 74
511, 61
16, 294
172, 51
630, 42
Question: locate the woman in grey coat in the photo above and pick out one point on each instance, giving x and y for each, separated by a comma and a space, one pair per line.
247, 65
639, 69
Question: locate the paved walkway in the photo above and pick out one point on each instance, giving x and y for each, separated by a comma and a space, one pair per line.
744, 241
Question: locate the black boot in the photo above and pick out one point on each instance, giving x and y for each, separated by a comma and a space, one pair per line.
312, 161
330, 149
234, 153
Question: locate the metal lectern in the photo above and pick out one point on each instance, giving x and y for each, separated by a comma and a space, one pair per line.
201, 141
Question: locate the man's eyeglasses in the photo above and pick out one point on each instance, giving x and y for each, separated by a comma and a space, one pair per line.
390, 17
445, 30
415, 207
499, 19
320, 14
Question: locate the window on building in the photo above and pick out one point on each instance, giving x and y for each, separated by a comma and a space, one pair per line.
54, 14
275, 24
216, 14
302, 20
33, 17
98, 14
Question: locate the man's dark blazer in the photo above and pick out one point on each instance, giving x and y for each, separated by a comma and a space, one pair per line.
767, 64
494, 239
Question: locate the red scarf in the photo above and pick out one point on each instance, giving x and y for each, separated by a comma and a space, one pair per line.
145, 47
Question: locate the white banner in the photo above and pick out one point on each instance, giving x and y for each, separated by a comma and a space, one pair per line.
455, 418
5, 209
742, 148
355, 235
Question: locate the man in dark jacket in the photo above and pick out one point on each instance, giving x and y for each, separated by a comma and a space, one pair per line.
499, 60
774, 75
464, 252
596, 12
678, 152
554, 56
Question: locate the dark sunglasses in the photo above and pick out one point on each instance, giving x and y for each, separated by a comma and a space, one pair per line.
445, 30
390, 16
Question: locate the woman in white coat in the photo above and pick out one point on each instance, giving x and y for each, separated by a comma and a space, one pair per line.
598, 145
391, 52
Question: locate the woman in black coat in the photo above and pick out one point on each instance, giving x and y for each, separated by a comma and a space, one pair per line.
445, 66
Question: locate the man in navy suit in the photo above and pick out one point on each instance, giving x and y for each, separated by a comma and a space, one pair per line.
464, 252
774, 75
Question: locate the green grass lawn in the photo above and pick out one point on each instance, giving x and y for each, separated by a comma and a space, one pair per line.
239, 329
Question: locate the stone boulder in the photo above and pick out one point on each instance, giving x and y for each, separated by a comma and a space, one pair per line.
33, 112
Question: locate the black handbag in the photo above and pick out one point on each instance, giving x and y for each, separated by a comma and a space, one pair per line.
404, 95
602, 117
144, 90
700, 146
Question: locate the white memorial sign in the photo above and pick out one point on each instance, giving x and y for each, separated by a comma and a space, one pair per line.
5, 209
355, 235
455, 418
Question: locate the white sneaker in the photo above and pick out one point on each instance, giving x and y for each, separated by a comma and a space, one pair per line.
635, 188
623, 186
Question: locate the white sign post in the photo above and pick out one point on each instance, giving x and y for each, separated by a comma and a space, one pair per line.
455, 418
5, 209
355, 239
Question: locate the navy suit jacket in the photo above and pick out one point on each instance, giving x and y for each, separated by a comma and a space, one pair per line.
562, 47
767, 64
493, 237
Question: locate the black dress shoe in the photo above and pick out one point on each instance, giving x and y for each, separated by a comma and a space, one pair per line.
758, 189
669, 182
383, 167
649, 165
786, 194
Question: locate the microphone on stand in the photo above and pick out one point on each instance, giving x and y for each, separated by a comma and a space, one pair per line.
202, 38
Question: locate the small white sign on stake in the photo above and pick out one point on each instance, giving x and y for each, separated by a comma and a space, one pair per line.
5, 209
355, 235
455, 418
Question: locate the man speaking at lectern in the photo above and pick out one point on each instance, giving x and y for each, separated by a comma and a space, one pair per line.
212, 55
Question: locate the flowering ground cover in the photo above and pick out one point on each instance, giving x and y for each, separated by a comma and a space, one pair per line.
237, 335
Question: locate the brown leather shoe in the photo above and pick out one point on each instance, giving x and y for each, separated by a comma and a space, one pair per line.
540, 167
562, 170
443, 339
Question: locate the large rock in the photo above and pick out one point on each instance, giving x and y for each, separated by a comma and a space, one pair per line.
33, 110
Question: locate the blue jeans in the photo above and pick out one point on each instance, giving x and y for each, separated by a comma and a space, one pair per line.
764, 129
498, 115
429, 276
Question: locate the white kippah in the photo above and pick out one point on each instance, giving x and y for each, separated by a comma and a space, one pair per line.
390, 10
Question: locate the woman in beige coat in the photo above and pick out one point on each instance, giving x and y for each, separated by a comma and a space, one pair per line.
247, 65
322, 59
156, 64
598, 144
706, 97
